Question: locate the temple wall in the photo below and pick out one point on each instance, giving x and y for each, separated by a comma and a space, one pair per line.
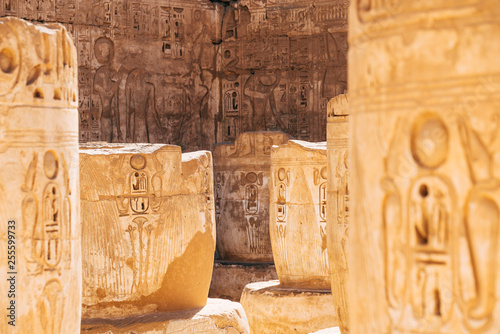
194, 73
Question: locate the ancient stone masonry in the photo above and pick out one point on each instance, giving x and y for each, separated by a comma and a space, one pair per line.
194, 73
242, 181
298, 214
424, 243
338, 204
39, 187
148, 228
281, 62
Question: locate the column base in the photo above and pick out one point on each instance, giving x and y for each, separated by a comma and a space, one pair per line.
218, 316
273, 309
230, 278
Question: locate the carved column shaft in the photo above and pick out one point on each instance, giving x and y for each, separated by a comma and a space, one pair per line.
39, 188
424, 87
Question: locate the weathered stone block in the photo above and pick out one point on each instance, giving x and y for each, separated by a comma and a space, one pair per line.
424, 88
298, 214
218, 316
274, 309
40, 256
148, 228
338, 204
242, 174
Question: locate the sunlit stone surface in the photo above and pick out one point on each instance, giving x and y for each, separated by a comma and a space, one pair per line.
218, 316
298, 214
338, 204
424, 236
148, 228
39, 188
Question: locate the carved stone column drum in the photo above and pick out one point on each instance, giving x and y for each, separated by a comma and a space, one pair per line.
424, 83
298, 214
242, 174
40, 260
338, 204
148, 228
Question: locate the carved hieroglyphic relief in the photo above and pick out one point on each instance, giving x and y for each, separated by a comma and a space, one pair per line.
155, 207
267, 56
338, 196
39, 216
197, 72
242, 196
425, 186
298, 214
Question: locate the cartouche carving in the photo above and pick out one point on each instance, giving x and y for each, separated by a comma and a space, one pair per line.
298, 214
242, 196
424, 150
154, 205
39, 182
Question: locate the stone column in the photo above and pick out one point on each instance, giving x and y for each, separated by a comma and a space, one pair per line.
301, 302
242, 173
298, 214
40, 260
148, 228
424, 85
338, 204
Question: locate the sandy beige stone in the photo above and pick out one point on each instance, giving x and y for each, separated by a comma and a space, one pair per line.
298, 214
338, 204
274, 309
40, 258
218, 316
424, 89
331, 330
148, 228
242, 175
229, 278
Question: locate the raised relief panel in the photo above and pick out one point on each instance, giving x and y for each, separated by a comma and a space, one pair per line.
426, 208
298, 213
135, 196
242, 196
39, 195
338, 204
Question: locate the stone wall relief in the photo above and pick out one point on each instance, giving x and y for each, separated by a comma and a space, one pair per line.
252, 182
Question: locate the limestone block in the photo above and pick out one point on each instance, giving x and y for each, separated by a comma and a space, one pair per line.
242, 174
148, 228
331, 330
274, 309
229, 278
218, 316
39, 188
424, 89
298, 214
338, 204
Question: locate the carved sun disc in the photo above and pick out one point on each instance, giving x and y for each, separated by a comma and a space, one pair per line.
138, 162
50, 164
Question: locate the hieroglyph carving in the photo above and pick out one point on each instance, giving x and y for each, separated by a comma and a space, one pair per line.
134, 197
242, 196
298, 214
425, 201
39, 192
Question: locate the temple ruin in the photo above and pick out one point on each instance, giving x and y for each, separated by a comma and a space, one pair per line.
249, 166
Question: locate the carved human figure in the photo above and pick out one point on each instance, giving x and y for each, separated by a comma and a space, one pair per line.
143, 122
106, 84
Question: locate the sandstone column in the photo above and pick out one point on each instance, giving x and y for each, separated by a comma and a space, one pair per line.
338, 204
242, 173
424, 86
148, 228
40, 260
301, 302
